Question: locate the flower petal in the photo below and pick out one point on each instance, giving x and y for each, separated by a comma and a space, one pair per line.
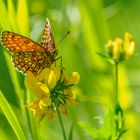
44, 89
44, 75
127, 40
68, 93
63, 109
57, 72
37, 112
32, 84
74, 79
44, 102
72, 102
52, 80
30, 80
117, 48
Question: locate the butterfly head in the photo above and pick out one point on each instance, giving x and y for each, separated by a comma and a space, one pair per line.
53, 52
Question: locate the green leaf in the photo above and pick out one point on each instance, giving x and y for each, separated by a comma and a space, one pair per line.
103, 54
71, 133
119, 110
11, 117
123, 131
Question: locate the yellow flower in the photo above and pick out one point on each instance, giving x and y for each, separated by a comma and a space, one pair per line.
52, 88
35, 108
116, 52
119, 50
129, 45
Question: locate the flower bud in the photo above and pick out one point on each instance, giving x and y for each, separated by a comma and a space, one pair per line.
117, 46
129, 46
109, 47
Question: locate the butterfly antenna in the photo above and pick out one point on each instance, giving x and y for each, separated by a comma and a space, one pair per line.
62, 38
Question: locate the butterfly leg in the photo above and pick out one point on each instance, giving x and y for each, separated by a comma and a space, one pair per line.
59, 58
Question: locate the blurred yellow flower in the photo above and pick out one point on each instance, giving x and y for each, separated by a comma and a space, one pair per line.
129, 45
119, 49
117, 46
52, 87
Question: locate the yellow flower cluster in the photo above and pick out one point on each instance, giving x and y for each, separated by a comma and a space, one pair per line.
53, 88
119, 49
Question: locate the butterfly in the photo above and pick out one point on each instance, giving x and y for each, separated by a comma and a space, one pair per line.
27, 55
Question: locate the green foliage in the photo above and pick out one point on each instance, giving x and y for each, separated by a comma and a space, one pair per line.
120, 122
102, 131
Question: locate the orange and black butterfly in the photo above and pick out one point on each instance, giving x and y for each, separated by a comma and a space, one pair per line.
27, 55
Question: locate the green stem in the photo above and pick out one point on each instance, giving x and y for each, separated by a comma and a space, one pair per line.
116, 99
119, 118
61, 122
116, 83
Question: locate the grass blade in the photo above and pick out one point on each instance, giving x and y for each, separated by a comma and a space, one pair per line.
23, 17
11, 117
71, 133
4, 22
12, 15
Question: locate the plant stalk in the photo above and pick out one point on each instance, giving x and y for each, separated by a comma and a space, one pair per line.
116, 100
116, 84
61, 122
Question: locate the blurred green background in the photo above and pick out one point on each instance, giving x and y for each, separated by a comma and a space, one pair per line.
92, 23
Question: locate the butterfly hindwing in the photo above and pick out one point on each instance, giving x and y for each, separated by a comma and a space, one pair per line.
29, 61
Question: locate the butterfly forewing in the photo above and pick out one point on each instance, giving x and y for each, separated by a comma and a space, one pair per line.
17, 43
47, 38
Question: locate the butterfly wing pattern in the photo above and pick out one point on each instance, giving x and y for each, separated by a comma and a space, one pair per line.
27, 55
